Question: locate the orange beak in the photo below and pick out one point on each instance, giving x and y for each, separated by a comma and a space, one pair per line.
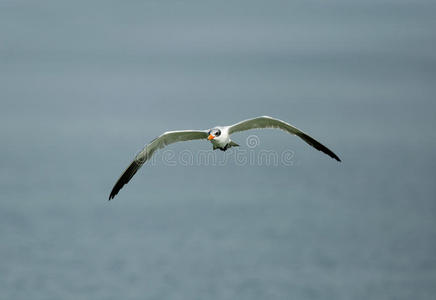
210, 137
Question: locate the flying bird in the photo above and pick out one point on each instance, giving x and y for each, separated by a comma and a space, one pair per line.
219, 136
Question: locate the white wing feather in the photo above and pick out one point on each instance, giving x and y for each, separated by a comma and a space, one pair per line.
268, 122
160, 142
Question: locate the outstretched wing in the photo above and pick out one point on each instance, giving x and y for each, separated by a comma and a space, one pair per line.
268, 122
165, 139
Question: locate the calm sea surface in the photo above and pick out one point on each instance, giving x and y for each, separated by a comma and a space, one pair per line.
84, 85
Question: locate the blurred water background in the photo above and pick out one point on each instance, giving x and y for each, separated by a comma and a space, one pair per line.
85, 84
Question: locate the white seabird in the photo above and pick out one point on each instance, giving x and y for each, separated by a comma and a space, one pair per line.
220, 138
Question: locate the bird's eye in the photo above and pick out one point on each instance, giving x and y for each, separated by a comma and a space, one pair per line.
218, 133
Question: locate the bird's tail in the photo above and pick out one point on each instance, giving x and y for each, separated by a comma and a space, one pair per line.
233, 144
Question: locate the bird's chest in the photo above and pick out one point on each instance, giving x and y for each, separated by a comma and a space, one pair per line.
220, 142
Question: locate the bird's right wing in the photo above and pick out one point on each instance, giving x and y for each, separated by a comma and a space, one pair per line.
163, 140
268, 122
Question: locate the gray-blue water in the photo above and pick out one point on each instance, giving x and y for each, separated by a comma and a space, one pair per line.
85, 84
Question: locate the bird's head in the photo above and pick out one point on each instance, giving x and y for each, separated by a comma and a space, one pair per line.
214, 133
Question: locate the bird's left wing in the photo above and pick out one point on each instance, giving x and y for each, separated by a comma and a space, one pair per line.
163, 140
268, 122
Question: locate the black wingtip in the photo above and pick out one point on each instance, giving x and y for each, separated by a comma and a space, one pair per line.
317, 145
112, 194
331, 154
124, 179
334, 156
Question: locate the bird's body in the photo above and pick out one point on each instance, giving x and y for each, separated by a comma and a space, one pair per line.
221, 141
219, 136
